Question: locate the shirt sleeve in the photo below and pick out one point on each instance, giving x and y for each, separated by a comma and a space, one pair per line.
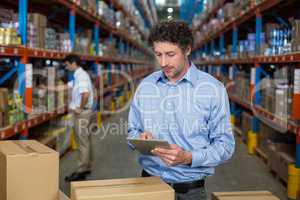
83, 85
222, 143
135, 126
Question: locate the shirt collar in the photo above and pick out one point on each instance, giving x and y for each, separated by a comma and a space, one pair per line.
190, 76
77, 71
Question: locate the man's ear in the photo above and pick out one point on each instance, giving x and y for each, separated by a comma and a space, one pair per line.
188, 51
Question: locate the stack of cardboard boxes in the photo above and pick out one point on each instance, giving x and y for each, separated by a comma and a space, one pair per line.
30, 170
295, 34
39, 23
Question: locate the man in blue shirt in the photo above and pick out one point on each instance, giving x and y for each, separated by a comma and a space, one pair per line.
185, 106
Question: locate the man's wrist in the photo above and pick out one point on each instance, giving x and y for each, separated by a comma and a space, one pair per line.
188, 158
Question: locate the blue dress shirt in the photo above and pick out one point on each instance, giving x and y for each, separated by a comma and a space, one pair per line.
193, 113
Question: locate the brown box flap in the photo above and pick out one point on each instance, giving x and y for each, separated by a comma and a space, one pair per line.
246, 195
119, 187
18, 147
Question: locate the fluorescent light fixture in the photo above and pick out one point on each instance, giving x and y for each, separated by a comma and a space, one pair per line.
170, 17
170, 10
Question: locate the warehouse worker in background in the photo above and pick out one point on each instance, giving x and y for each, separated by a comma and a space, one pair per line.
81, 107
185, 106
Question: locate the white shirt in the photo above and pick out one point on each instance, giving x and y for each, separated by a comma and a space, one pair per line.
80, 84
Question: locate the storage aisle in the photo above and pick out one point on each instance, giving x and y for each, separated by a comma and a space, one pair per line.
113, 159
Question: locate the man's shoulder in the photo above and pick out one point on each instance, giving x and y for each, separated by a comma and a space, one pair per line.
83, 74
152, 78
204, 77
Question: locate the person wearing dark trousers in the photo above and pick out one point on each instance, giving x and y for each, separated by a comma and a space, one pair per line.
186, 107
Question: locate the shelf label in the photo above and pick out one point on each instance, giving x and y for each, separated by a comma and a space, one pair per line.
253, 74
297, 81
28, 75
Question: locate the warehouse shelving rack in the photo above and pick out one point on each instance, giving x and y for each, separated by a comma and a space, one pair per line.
208, 45
22, 54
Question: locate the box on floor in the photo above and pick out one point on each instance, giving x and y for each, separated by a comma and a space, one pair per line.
28, 170
246, 195
150, 188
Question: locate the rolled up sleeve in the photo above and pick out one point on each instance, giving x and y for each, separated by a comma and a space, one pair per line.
222, 143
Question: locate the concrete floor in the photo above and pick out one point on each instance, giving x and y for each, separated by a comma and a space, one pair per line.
113, 159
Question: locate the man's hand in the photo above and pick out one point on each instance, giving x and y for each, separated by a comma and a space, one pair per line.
78, 110
173, 156
42, 86
146, 136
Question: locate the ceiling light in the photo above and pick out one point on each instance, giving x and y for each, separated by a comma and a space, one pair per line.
170, 10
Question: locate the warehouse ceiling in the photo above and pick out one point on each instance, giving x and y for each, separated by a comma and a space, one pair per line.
167, 9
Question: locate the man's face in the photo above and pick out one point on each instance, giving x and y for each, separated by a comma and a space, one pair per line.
70, 66
171, 59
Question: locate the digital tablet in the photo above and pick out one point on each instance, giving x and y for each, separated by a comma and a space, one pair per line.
146, 146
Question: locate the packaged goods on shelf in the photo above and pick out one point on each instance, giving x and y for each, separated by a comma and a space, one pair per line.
83, 43
229, 11
107, 13
64, 42
15, 113
61, 95
37, 20
295, 34
267, 89
241, 89
88, 5
51, 41
9, 36
7, 16
108, 48
37, 34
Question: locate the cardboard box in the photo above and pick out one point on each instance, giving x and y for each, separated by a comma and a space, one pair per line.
37, 19
62, 196
247, 195
28, 171
150, 188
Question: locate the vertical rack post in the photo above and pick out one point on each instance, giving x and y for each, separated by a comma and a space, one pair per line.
72, 29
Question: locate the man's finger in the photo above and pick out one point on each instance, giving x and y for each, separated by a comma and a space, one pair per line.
165, 151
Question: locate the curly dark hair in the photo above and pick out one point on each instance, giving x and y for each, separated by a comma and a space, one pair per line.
173, 31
